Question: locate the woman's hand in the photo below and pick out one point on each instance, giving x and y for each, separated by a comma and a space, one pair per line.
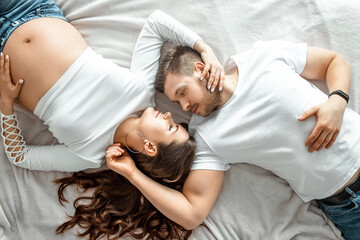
329, 117
9, 91
213, 70
119, 161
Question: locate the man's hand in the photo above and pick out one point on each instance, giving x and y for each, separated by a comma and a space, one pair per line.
329, 117
119, 161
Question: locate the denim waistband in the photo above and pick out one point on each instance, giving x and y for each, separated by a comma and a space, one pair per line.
14, 13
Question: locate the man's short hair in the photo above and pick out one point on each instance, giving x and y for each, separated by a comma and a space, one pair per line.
178, 60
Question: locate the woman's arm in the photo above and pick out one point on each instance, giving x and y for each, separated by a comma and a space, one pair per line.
14, 143
45, 158
160, 28
187, 208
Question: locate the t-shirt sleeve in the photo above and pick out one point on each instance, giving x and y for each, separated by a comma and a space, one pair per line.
55, 158
293, 54
158, 29
206, 158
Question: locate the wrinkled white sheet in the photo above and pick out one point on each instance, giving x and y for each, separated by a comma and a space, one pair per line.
253, 204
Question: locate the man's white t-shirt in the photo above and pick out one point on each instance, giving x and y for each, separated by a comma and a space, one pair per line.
259, 124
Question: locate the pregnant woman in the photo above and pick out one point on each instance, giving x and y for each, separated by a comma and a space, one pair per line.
87, 101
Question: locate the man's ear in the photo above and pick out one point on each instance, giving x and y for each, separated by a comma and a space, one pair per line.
150, 148
199, 66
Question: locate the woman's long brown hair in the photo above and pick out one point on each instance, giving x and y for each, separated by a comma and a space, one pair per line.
116, 207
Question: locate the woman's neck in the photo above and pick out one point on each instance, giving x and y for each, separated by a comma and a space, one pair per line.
127, 128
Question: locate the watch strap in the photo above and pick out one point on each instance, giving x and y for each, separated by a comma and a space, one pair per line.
341, 94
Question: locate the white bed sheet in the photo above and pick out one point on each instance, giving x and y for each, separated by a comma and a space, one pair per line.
253, 204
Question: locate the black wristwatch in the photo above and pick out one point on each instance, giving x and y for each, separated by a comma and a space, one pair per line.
341, 94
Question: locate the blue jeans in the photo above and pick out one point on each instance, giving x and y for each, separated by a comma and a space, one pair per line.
13, 13
346, 216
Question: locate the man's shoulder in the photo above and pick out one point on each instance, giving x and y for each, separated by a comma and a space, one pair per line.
199, 126
198, 122
255, 50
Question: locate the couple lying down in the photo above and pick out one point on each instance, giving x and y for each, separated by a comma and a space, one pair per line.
168, 192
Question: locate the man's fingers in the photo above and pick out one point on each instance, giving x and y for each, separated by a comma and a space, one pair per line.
333, 139
315, 144
110, 151
112, 154
308, 113
313, 136
115, 147
324, 141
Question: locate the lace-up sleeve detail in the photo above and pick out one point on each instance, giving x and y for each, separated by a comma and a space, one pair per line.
14, 143
44, 158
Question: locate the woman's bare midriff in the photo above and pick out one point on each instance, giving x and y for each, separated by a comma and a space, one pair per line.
40, 52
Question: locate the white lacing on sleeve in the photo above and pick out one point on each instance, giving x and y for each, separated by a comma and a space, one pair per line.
11, 133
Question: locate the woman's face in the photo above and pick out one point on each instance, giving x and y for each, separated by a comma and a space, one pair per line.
161, 128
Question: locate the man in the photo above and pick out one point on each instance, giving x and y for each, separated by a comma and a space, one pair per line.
263, 116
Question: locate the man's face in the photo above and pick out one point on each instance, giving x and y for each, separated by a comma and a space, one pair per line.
191, 93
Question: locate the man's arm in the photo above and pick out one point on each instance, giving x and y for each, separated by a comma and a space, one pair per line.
187, 208
325, 65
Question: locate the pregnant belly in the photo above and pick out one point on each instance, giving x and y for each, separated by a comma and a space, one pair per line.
40, 51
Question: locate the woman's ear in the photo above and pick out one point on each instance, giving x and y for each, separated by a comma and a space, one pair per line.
150, 148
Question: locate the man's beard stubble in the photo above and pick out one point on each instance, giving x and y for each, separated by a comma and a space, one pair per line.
211, 101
